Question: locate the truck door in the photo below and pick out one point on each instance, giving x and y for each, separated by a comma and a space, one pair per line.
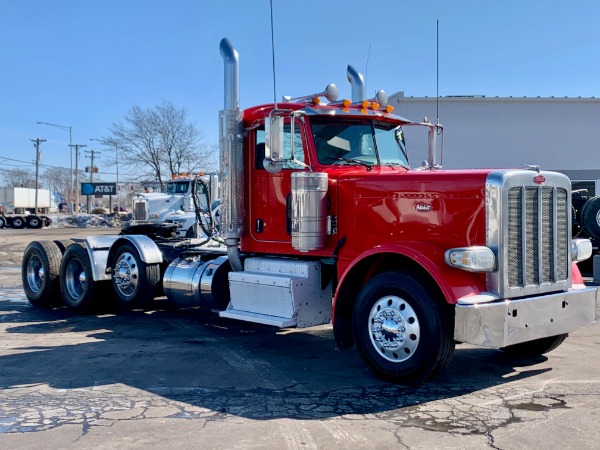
270, 193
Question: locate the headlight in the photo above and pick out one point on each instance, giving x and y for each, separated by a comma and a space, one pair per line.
472, 259
581, 249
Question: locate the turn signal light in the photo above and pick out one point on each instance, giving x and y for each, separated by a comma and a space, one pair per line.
471, 259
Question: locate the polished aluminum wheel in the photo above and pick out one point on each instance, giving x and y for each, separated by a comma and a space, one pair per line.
126, 276
76, 279
35, 274
394, 328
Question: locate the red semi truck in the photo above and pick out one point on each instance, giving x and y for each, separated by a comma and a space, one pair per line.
323, 219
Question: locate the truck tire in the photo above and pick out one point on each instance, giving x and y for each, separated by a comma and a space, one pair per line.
403, 331
590, 217
40, 270
134, 282
34, 222
2, 222
77, 286
535, 348
47, 221
18, 222
63, 244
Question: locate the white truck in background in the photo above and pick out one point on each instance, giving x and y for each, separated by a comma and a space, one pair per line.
17, 207
185, 202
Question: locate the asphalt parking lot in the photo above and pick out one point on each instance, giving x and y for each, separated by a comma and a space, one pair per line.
167, 378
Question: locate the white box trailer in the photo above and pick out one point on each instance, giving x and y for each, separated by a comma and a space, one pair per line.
17, 207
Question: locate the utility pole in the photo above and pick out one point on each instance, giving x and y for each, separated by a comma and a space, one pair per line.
66, 127
36, 144
77, 146
92, 152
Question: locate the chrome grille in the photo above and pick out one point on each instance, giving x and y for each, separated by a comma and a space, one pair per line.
537, 236
139, 211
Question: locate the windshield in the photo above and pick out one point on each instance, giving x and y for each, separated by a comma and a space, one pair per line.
178, 187
364, 142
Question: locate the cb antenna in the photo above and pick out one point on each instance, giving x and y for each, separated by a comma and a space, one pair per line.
437, 69
367, 68
273, 54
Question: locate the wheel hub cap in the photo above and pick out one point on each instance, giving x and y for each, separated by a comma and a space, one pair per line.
394, 329
126, 273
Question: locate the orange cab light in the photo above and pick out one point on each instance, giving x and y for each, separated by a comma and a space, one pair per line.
389, 108
316, 100
374, 106
346, 103
173, 176
365, 104
183, 174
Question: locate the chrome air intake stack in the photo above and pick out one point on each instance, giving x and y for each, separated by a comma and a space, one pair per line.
358, 84
231, 157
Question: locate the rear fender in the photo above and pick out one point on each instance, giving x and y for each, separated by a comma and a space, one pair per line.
146, 247
420, 257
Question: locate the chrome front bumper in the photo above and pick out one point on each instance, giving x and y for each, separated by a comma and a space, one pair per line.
481, 320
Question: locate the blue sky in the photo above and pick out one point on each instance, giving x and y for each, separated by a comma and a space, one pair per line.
84, 64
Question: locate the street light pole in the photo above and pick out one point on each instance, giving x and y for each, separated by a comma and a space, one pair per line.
36, 144
66, 127
76, 146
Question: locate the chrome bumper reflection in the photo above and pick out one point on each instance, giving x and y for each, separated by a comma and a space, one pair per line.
507, 322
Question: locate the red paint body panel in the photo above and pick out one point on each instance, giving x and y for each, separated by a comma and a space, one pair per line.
417, 214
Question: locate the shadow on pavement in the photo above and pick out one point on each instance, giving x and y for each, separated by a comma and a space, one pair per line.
252, 371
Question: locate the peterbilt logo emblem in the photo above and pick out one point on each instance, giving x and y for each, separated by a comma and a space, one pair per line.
539, 179
423, 207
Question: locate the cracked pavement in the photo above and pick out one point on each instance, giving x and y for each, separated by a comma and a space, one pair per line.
187, 379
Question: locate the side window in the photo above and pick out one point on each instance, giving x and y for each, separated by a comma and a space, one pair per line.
287, 150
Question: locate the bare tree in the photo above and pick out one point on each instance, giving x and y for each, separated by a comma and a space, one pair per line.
57, 179
160, 141
18, 178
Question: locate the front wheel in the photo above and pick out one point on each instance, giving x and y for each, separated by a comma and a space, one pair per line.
403, 332
134, 282
535, 348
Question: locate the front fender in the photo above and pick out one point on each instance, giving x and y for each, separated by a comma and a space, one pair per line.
423, 258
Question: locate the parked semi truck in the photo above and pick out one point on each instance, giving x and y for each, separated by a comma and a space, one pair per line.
323, 219
17, 207
185, 202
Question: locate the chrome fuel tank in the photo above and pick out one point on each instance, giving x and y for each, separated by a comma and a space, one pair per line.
192, 282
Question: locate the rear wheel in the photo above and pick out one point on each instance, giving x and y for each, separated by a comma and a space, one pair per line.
18, 222
403, 332
47, 221
134, 282
76, 280
535, 348
40, 270
2, 222
34, 222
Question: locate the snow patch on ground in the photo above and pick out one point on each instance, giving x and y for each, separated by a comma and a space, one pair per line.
88, 221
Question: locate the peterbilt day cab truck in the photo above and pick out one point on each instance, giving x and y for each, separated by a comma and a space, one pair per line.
324, 220
184, 203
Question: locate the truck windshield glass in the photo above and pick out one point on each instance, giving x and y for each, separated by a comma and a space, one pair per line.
364, 142
180, 187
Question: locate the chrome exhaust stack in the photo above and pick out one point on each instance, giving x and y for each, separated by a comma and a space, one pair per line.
231, 154
357, 82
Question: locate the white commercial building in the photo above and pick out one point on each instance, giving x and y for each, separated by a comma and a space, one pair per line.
558, 134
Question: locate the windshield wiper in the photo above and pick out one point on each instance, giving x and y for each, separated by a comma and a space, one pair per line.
355, 161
